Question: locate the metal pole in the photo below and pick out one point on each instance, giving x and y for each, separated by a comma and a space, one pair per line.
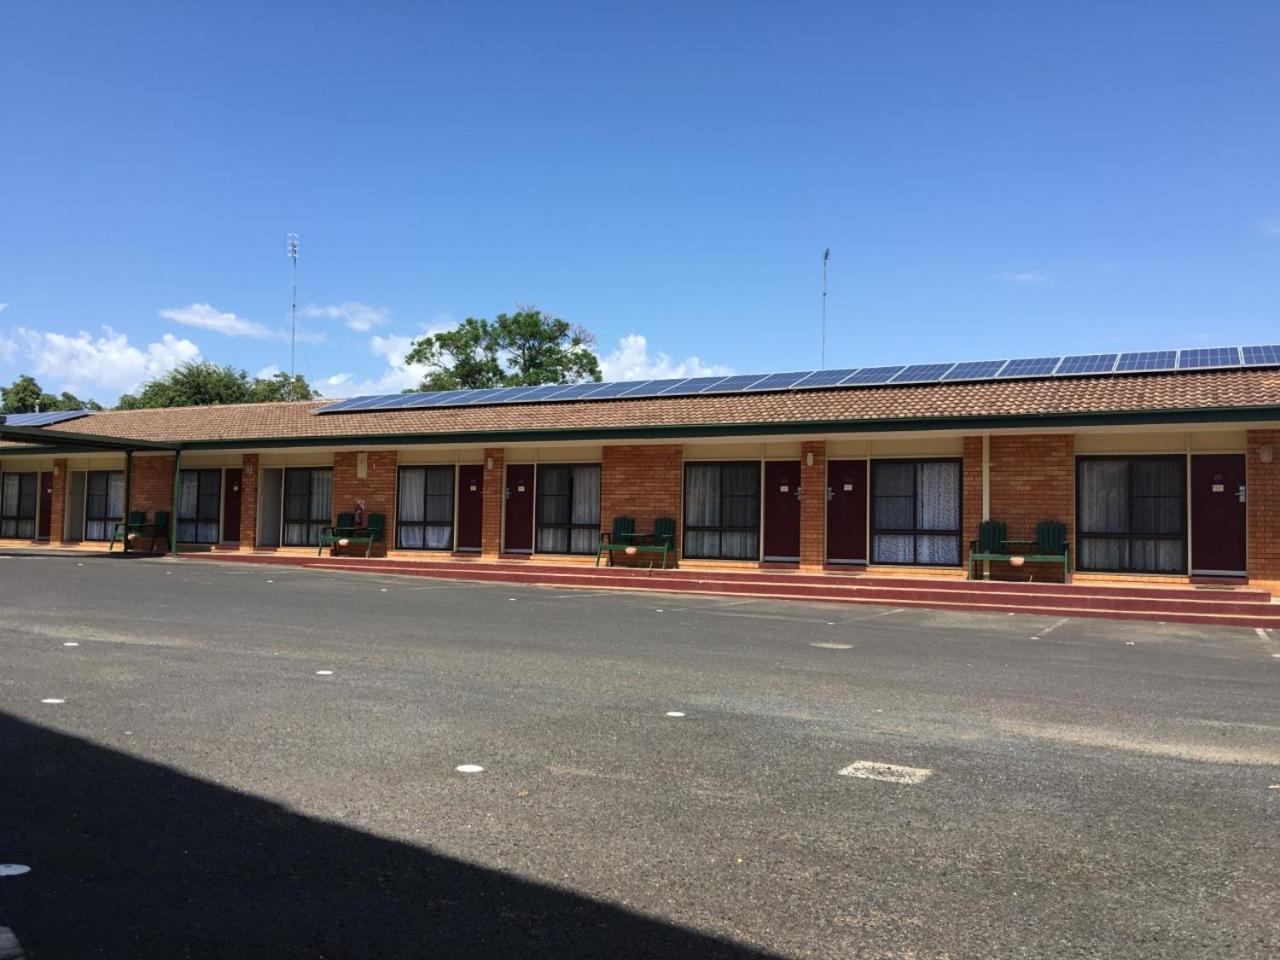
293, 312
128, 483
826, 255
177, 496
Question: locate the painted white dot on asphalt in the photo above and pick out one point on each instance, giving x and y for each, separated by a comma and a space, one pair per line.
1129, 643
1274, 786
657, 611
13, 869
511, 599
324, 673
470, 768
832, 646
1276, 655
71, 643
674, 713
831, 623
1035, 638
384, 590
888, 772
79, 564
270, 581
52, 700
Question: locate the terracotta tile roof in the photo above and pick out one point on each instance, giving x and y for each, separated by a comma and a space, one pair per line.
1250, 388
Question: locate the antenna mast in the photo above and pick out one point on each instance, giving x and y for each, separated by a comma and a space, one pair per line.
293, 313
826, 255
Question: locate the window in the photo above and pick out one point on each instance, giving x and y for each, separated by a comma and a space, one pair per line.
568, 509
18, 506
308, 505
425, 508
198, 506
722, 511
1131, 514
104, 503
915, 512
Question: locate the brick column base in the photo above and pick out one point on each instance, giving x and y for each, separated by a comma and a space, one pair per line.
495, 489
249, 470
58, 509
813, 505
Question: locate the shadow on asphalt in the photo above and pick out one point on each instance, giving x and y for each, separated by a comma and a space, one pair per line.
134, 860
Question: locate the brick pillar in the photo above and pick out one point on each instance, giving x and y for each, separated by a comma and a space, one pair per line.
369, 476
1262, 486
971, 510
495, 488
249, 471
813, 504
644, 482
151, 487
58, 510
1033, 478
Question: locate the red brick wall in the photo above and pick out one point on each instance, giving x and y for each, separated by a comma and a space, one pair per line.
495, 488
249, 470
1033, 478
377, 488
58, 511
643, 482
971, 484
813, 504
1263, 492
151, 485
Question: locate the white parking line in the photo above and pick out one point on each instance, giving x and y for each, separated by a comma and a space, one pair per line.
832, 646
888, 772
1053, 626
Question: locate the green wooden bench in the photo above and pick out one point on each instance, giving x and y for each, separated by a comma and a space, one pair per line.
1049, 546
346, 529
136, 525
624, 539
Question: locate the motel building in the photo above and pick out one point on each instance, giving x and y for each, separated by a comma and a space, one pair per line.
1162, 466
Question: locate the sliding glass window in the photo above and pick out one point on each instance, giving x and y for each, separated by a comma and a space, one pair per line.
308, 505
104, 503
425, 508
568, 508
722, 511
1132, 514
915, 512
18, 506
198, 505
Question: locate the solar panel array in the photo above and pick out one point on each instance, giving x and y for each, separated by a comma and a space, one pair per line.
43, 419
1090, 365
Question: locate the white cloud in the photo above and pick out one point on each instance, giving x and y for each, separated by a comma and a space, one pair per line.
109, 361
206, 317
8, 350
3, 307
398, 376
357, 316
1024, 278
631, 361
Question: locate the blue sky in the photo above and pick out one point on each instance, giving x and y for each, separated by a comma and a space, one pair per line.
993, 179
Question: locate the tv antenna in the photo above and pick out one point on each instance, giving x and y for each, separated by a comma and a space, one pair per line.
293, 314
826, 256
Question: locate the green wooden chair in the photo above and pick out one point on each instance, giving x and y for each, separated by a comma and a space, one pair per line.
621, 537
342, 530
1052, 545
136, 522
992, 544
160, 530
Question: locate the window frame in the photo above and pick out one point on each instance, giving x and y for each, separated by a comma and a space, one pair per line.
11, 524
315, 526
424, 523
539, 491
108, 521
201, 474
1181, 459
915, 532
719, 528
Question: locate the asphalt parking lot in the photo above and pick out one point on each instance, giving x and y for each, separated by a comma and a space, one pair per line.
223, 760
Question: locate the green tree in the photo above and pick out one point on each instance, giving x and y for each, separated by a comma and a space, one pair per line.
525, 348
25, 395
202, 383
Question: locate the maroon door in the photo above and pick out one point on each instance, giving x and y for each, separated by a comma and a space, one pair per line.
519, 523
46, 507
1217, 513
847, 511
782, 510
470, 506
231, 507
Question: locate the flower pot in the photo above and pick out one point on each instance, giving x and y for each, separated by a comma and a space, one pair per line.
1017, 561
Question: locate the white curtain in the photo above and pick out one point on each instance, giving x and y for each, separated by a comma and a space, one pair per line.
568, 509
18, 506
425, 508
1129, 498
410, 506
916, 512
702, 509
938, 508
105, 504
585, 511
308, 500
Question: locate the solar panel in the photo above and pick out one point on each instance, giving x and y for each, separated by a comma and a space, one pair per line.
46, 419
1028, 367
655, 388
1268, 356
606, 391
1205, 358
536, 394
778, 381
1086, 363
975, 370
870, 376
1145, 361
456, 398
365, 403
691, 386
923, 373
427, 398
825, 378
576, 390
735, 384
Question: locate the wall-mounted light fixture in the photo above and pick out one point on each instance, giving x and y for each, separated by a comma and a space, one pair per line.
808, 458
1265, 454
488, 463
